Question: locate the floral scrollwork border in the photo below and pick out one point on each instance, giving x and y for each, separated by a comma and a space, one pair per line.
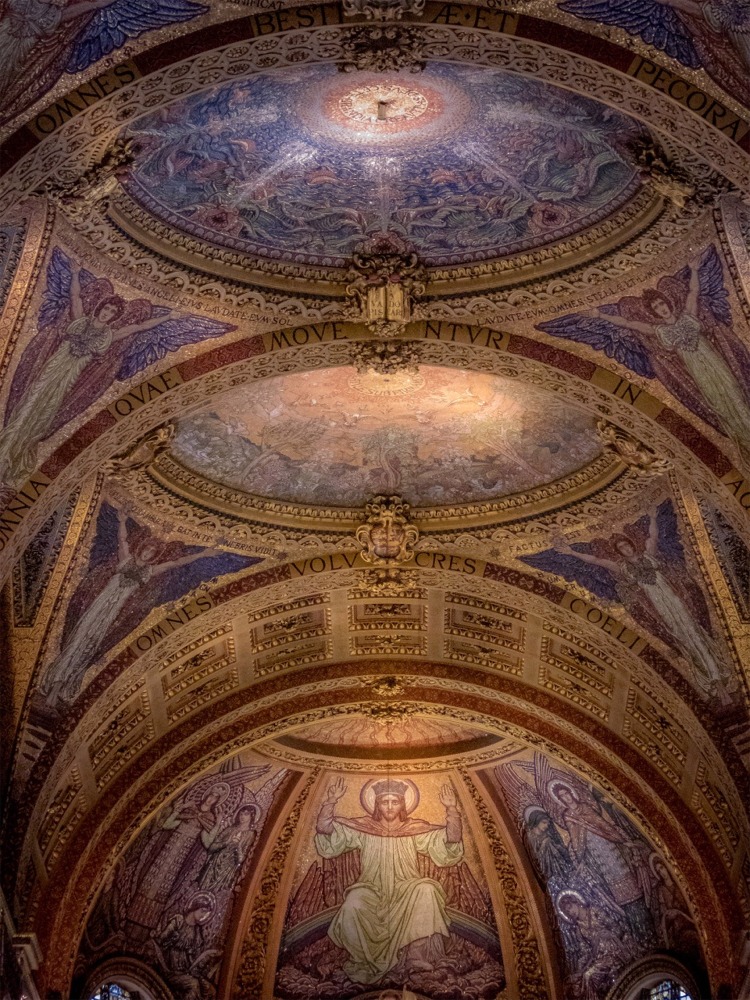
255, 953
532, 984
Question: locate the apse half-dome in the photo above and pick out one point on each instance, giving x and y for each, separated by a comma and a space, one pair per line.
338, 437
438, 902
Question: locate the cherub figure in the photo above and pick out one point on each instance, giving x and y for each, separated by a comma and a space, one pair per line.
680, 333
88, 337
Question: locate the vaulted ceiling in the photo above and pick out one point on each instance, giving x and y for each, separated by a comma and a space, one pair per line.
375, 382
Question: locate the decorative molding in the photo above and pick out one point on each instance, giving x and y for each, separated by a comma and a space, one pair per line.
383, 48
649, 972
387, 537
532, 983
387, 357
633, 453
94, 187
144, 452
669, 180
386, 273
255, 952
383, 10
94, 128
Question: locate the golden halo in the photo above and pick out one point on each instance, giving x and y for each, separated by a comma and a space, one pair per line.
367, 795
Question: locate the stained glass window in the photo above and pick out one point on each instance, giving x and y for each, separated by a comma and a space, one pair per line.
111, 991
668, 990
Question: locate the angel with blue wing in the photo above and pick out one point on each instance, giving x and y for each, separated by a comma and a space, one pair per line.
88, 336
644, 570
136, 565
40, 40
726, 18
679, 332
691, 31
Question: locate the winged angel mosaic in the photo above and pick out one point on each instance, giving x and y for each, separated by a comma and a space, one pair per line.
644, 569
714, 34
614, 897
169, 896
129, 571
87, 338
679, 332
40, 40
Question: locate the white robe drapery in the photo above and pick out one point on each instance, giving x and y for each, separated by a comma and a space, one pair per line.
391, 905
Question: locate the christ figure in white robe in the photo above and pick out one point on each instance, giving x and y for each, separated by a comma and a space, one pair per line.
391, 913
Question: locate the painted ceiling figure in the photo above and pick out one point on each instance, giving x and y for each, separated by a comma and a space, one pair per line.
597, 842
170, 895
644, 569
41, 40
182, 949
614, 896
389, 841
182, 840
644, 573
136, 565
675, 925
601, 945
228, 848
87, 337
714, 34
681, 333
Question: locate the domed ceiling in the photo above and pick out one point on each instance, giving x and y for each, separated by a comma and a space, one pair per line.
339, 437
305, 165
244, 295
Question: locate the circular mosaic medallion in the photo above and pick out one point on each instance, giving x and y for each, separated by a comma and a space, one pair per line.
383, 104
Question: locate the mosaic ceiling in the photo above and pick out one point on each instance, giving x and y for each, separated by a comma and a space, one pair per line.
306, 164
374, 464
434, 436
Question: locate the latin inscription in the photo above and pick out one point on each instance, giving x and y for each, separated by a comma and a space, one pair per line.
352, 560
689, 96
301, 336
144, 393
78, 100
619, 632
627, 392
501, 21
739, 487
171, 623
19, 507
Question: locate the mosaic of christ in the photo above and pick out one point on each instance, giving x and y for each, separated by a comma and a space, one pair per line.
390, 898
337, 437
